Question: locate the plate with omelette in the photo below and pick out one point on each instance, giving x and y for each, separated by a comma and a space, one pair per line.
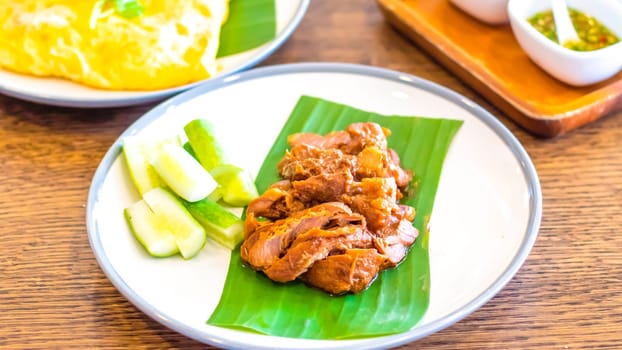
112, 53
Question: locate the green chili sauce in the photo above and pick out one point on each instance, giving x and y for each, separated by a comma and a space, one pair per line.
593, 34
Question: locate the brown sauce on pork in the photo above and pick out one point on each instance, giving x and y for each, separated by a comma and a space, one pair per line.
334, 221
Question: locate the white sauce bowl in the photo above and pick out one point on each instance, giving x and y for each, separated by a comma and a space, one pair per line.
489, 11
572, 67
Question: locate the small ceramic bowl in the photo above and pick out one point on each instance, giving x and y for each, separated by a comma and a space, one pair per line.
489, 11
572, 67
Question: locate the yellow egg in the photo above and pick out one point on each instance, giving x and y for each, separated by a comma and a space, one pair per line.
174, 42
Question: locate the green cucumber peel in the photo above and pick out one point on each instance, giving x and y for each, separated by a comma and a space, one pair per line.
182, 173
202, 139
221, 225
238, 188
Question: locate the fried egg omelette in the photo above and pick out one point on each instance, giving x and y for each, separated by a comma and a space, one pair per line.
173, 42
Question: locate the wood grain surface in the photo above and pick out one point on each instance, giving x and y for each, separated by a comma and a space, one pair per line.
53, 295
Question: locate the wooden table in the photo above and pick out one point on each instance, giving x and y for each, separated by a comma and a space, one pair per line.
568, 295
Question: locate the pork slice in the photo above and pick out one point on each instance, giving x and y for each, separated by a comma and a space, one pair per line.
406, 212
375, 198
314, 245
351, 271
393, 242
371, 162
275, 203
326, 187
304, 161
364, 135
262, 248
269, 241
335, 139
284, 185
345, 219
356, 137
402, 177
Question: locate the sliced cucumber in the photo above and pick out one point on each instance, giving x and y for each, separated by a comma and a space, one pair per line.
221, 225
136, 153
238, 189
150, 230
202, 138
189, 234
189, 149
216, 195
182, 173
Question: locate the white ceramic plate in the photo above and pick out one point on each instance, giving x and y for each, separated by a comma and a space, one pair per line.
61, 92
485, 219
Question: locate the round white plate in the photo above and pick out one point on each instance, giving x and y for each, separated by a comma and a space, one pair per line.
62, 92
484, 223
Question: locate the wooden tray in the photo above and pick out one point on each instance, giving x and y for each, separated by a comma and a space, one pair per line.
491, 61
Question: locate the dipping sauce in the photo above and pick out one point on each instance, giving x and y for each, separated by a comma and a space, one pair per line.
593, 34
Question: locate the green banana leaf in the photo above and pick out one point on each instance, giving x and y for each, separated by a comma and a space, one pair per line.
251, 23
399, 297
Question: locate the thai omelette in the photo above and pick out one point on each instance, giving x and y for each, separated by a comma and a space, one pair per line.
171, 42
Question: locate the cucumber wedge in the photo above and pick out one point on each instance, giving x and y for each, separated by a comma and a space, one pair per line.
221, 225
182, 173
137, 157
189, 234
189, 149
216, 195
238, 189
201, 136
152, 233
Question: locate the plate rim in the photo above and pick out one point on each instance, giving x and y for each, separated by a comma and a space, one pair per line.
506, 136
151, 96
